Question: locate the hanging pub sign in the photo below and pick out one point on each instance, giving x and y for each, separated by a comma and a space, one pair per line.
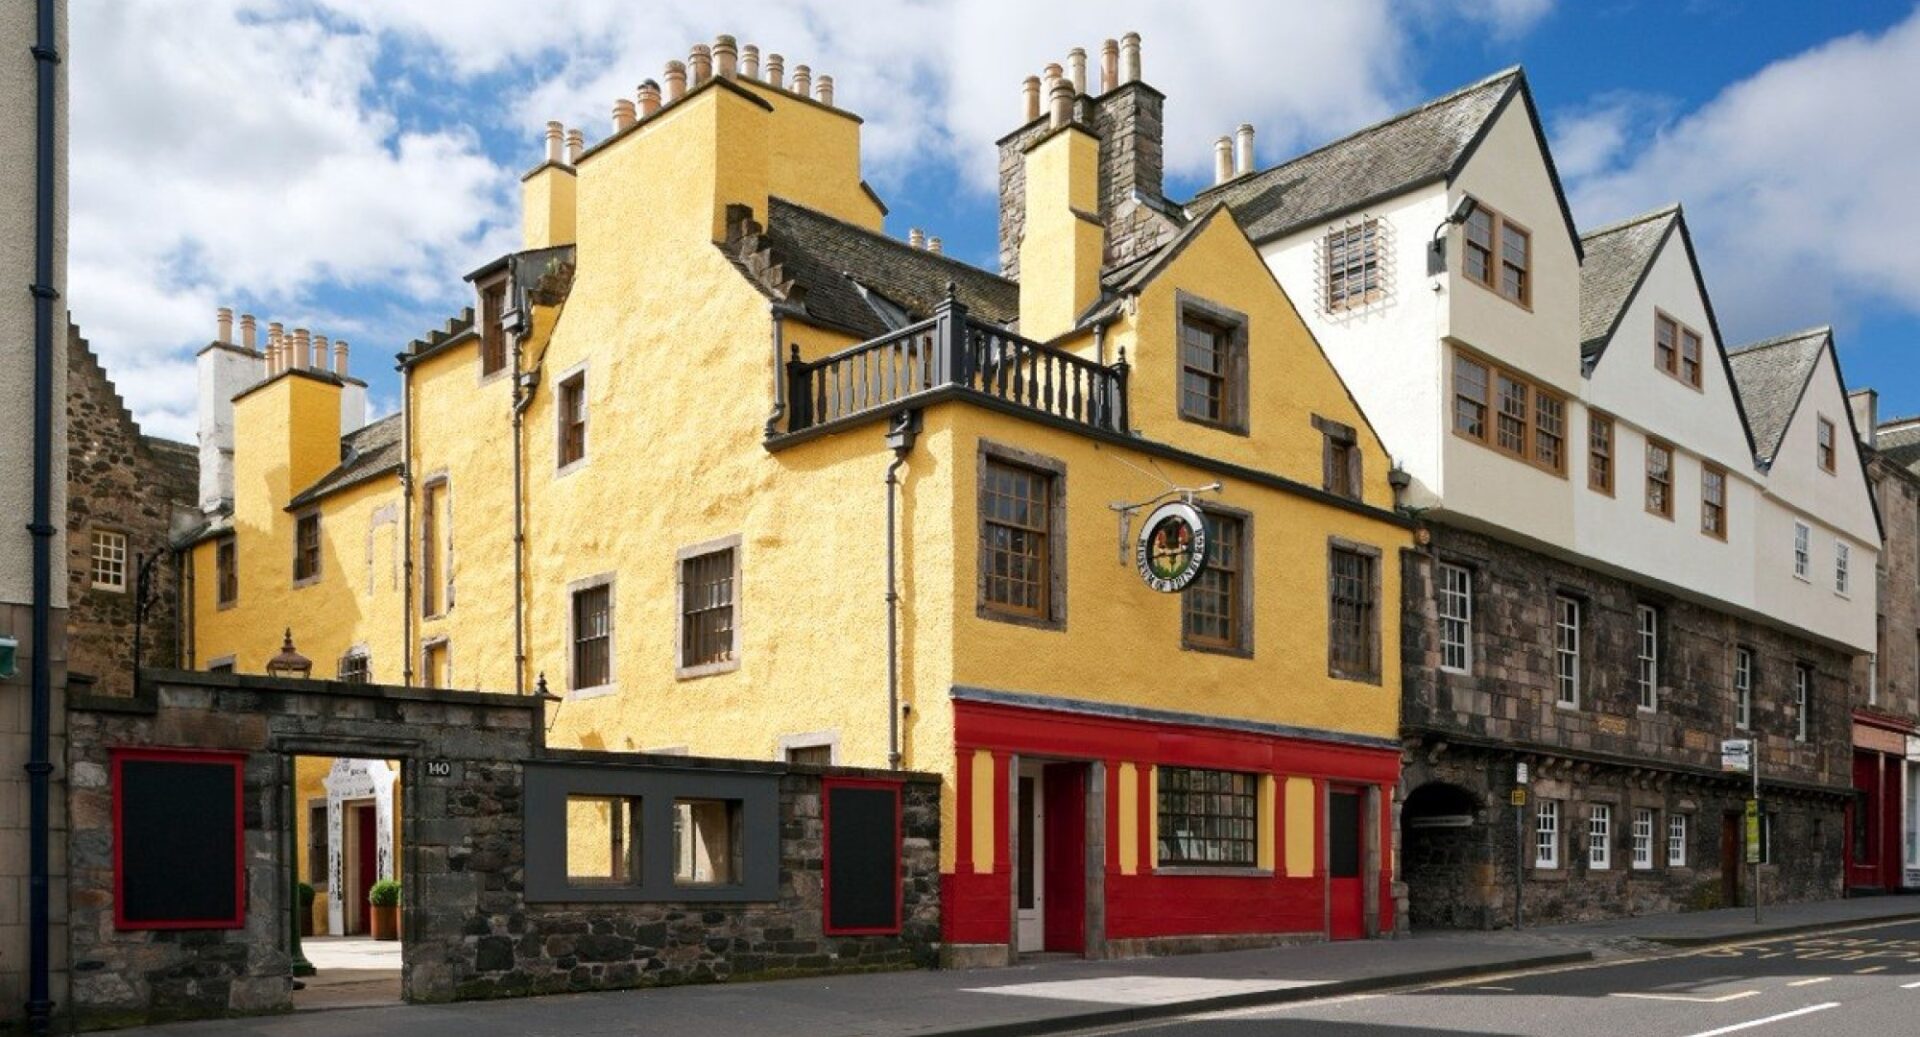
1172, 549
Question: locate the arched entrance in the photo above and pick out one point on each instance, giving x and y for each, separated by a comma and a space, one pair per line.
1444, 858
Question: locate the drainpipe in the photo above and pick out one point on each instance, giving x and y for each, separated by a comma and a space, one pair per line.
406, 522
39, 766
522, 399
900, 436
779, 313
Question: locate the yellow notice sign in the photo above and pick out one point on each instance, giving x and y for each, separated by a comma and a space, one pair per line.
1753, 831
1519, 797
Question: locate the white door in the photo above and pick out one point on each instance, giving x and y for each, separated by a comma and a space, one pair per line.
1029, 878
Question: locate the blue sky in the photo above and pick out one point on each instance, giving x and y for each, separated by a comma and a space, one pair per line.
339, 163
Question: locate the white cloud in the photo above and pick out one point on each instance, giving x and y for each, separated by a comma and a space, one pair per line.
1798, 183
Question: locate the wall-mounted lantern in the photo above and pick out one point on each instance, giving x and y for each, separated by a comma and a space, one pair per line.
289, 663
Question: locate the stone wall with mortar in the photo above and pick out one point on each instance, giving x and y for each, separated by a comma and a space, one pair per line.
469, 932
1469, 730
1897, 666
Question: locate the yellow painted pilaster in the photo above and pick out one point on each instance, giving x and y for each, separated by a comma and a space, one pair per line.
1265, 806
1153, 817
1302, 822
984, 789
1129, 826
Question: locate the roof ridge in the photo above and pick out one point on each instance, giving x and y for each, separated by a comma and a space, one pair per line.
1781, 340
1511, 71
1897, 423
1671, 209
890, 240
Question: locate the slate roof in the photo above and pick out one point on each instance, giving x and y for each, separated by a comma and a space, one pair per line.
367, 452
1416, 147
1772, 376
830, 261
1899, 442
1617, 259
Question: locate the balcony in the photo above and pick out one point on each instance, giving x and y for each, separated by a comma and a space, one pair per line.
952, 356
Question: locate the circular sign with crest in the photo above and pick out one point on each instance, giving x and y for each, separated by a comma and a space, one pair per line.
1172, 549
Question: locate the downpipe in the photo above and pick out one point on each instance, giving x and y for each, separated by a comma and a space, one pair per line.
901, 433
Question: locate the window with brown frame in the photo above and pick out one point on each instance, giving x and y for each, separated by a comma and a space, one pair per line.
1529, 421
1016, 538
226, 571
493, 335
1213, 613
306, 547
572, 403
1353, 635
1600, 453
1713, 501
1826, 445
1659, 479
707, 630
1212, 364
593, 637
1498, 255
1676, 349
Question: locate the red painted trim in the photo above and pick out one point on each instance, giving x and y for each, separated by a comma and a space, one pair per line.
827, 785
238, 761
963, 813
1872, 718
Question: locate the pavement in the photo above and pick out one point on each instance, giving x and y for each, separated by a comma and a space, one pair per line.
1070, 995
349, 972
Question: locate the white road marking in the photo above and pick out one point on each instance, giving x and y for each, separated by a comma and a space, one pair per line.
1775, 954
1504, 990
1910, 986
1237, 1013
1809, 982
1870, 968
1694, 998
1796, 1013
1142, 990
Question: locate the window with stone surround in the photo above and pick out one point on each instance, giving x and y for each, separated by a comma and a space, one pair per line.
1546, 834
1353, 614
1216, 612
1566, 650
1599, 836
493, 335
1743, 688
1802, 700
592, 633
306, 548
355, 667
1454, 586
108, 562
570, 417
1022, 574
1676, 840
1213, 364
226, 572
1643, 828
709, 627
1647, 656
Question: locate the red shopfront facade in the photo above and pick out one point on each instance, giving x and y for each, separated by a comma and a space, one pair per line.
1059, 847
1878, 854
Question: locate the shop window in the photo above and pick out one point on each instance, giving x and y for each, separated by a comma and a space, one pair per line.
707, 842
1208, 818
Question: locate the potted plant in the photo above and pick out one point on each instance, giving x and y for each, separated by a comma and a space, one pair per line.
383, 902
307, 896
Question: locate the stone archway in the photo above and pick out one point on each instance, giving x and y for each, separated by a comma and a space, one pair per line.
1444, 858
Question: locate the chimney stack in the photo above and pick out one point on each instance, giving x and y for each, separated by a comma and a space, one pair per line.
622, 114
933, 246
576, 143
1109, 65
1222, 160
223, 325
340, 358
1243, 150
802, 80
699, 64
1077, 69
750, 62
916, 238
1062, 103
676, 81
248, 336
776, 71
726, 57
1865, 404
823, 91
554, 133
1130, 58
649, 98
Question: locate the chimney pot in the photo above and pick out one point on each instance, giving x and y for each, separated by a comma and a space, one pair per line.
676, 81
1062, 98
1243, 150
1130, 58
302, 348
700, 64
1222, 160
576, 143
917, 238
750, 62
933, 246
802, 80
649, 98
340, 358
1109, 65
776, 71
1030, 99
1077, 69
1050, 75
248, 334
554, 133
726, 57
223, 324
622, 114
320, 352
823, 91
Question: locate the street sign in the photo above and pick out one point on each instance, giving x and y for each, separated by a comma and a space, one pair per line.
1519, 797
1736, 755
1753, 831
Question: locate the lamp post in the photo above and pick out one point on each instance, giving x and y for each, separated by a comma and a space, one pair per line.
1519, 839
290, 663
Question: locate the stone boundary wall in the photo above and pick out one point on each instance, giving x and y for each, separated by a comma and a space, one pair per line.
469, 930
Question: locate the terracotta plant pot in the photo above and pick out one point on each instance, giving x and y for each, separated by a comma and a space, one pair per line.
386, 922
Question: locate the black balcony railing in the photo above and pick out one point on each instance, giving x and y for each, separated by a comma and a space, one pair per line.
951, 350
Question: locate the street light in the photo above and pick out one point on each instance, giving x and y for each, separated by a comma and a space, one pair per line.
289, 663
1437, 248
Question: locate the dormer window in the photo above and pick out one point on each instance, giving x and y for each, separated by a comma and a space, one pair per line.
1498, 255
493, 333
1676, 349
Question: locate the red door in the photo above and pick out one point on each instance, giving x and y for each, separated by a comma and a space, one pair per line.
1865, 837
1345, 885
368, 865
1065, 868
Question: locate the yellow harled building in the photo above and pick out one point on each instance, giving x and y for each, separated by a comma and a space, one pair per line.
730, 471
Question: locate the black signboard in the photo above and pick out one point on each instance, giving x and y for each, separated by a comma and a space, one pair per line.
177, 836
862, 856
